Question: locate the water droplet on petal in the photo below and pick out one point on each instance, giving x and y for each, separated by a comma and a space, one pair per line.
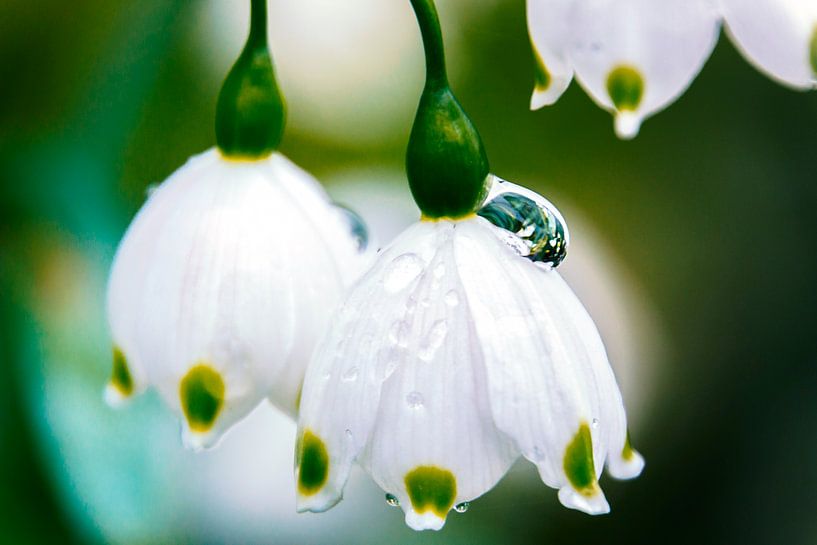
350, 375
414, 400
433, 340
536, 229
150, 190
595, 423
452, 298
402, 271
357, 227
392, 501
462, 507
439, 270
399, 333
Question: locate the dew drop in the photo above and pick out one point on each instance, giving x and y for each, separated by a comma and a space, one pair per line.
538, 454
350, 375
535, 228
392, 501
349, 434
452, 298
462, 507
357, 227
402, 271
150, 190
433, 340
399, 333
439, 270
595, 423
414, 400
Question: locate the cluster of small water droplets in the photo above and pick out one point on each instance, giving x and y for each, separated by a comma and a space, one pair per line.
357, 227
535, 228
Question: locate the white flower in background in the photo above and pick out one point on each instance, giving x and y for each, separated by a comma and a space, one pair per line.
779, 37
229, 273
221, 286
459, 351
635, 57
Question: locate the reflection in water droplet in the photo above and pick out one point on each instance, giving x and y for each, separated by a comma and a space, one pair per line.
414, 400
402, 271
537, 230
452, 298
356, 226
433, 340
350, 375
392, 501
462, 507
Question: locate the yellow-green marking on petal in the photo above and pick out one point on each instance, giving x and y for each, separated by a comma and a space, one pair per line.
628, 452
578, 462
313, 464
813, 51
121, 378
431, 488
202, 396
625, 85
541, 74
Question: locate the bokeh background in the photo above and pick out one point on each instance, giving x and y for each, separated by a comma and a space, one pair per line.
695, 247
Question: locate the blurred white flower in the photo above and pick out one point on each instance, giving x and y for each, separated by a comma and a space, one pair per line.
222, 285
454, 355
635, 57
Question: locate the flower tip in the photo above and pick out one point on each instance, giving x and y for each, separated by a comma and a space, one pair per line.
547, 96
199, 441
627, 125
114, 397
428, 520
592, 504
626, 467
321, 502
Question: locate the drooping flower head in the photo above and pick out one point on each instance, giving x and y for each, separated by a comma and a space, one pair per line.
228, 273
636, 57
461, 348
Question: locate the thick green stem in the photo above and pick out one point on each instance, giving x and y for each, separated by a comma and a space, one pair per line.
251, 113
445, 162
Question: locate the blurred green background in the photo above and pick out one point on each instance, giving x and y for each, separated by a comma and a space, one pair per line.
712, 210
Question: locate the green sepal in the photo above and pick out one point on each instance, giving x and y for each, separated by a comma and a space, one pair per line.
251, 112
446, 163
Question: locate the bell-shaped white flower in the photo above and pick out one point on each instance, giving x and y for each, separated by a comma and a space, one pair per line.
454, 355
550, 37
779, 37
222, 285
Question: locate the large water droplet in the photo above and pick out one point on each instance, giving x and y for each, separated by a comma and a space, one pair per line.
414, 400
462, 507
433, 340
392, 501
357, 227
537, 230
402, 271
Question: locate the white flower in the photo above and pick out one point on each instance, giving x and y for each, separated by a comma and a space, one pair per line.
221, 286
635, 57
778, 36
451, 357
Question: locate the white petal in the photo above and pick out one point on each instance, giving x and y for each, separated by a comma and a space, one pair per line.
635, 57
779, 37
425, 385
241, 267
546, 381
550, 35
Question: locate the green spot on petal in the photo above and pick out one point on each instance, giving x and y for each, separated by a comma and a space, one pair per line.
813, 51
541, 74
627, 452
625, 85
578, 462
313, 464
431, 488
202, 396
121, 378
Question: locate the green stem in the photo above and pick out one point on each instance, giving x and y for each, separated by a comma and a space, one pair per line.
429, 22
258, 25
